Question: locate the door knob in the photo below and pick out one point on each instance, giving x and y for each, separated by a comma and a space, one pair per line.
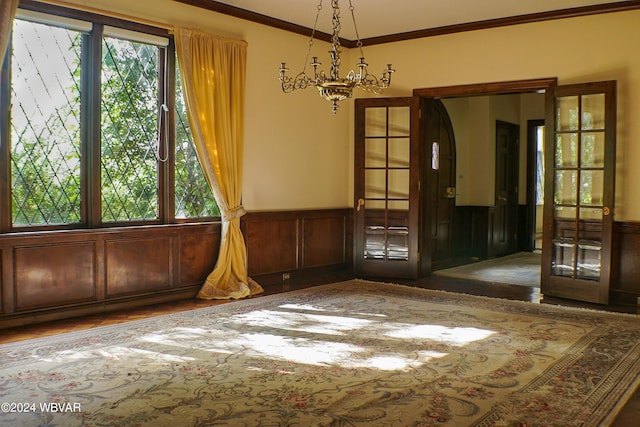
360, 204
450, 193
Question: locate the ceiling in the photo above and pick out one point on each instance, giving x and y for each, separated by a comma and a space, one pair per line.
377, 18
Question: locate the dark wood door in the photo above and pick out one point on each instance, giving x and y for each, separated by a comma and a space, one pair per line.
386, 187
439, 168
505, 224
579, 191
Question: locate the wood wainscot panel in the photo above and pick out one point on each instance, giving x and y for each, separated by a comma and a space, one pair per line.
198, 255
50, 275
272, 245
473, 232
137, 265
626, 269
323, 241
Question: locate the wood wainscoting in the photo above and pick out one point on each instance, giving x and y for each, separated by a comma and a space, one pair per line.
60, 274
283, 245
625, 285
474, 232
54, 275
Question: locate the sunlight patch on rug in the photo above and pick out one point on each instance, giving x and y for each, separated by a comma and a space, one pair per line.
354, 353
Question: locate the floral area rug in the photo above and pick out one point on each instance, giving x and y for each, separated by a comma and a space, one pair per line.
354, 353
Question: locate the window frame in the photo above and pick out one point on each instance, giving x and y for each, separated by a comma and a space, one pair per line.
90, 106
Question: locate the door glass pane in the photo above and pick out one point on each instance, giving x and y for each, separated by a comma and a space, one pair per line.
592, 149
593, 111
399, 152
399, 184
567, 150
591, 187
567, 113
375, 184
398, 243
566, 187
588, 262
399, 205
564, 212
375, 153
590, 227
563, 254
374, 233
375, 204
590, 214
375, 122
399, 121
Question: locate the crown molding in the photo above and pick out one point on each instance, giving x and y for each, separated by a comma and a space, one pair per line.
428, 32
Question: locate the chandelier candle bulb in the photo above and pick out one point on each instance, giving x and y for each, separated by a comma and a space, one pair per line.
333, 87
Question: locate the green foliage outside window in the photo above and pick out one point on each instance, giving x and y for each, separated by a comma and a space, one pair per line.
46, 132
45, 126
129, 131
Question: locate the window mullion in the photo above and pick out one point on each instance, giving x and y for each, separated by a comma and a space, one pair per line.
91, 120
170, 129
161, 151
5, 146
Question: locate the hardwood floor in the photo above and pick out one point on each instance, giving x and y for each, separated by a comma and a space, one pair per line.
629, 415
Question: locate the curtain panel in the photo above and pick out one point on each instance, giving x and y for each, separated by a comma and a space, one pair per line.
7, 13
213, 71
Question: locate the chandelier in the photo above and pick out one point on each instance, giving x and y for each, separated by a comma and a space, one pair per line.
333, 87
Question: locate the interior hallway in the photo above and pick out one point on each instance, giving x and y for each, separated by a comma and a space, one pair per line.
522, 268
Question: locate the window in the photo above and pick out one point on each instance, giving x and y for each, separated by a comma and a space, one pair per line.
45, 124
193, 197
98, 127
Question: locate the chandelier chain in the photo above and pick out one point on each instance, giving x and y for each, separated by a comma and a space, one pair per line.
313, 33
355, 27
335, 41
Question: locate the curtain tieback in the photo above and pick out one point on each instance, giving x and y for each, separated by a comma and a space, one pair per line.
233, 213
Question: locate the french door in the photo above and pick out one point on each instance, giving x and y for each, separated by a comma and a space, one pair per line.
386, 187
579, 191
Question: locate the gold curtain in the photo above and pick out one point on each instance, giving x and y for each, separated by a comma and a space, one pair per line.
213, 71
7, 13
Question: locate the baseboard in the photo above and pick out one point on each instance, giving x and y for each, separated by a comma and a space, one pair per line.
280, 282
95, 308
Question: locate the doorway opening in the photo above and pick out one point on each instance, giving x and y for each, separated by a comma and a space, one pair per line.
473, 108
